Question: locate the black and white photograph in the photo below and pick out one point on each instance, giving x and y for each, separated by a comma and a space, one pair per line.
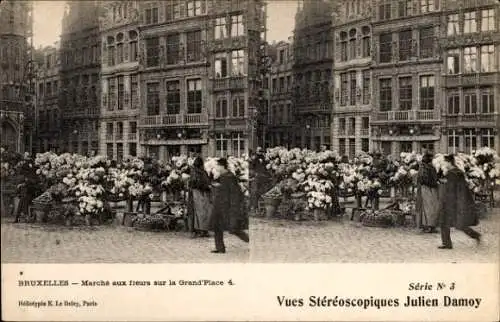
249, 131
382, 141
126, 129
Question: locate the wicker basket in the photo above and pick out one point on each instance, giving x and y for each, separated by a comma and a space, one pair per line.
377, 220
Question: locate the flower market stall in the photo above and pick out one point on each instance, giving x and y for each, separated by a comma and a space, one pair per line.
318, 180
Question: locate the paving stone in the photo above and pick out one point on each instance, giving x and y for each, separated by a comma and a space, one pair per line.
345, 241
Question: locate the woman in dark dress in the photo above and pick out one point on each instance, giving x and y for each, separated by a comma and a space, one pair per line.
427, 204
199, 200
228, 213
456, 206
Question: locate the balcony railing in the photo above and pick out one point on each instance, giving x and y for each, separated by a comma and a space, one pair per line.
81, 113
174, 120
407, 116
365, 132
109, 137
232, 82
351, 132
132, 136
472, 118
119, 136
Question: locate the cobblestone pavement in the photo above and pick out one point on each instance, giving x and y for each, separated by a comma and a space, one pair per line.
36, 243
344, 241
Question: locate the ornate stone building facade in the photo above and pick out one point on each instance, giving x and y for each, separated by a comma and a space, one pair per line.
352, 77
312, 72
80, 67
199, 76
120, 96
406, 76
47, 100
280, 129
236, 35
16, 74
470, 38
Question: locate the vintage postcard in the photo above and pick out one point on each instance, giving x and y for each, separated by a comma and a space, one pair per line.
250, 160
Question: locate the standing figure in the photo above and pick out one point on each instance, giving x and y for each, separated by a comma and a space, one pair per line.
199, 200
456, 206
427, 203
228, 212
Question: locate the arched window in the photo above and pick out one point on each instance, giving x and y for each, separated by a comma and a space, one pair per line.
132, 36
119, 48
352, 44
343, 46
111, 50
366, 41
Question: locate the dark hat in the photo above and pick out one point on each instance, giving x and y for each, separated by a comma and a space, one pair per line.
222, 162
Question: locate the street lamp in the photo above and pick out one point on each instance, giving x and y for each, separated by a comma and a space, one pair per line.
412, 131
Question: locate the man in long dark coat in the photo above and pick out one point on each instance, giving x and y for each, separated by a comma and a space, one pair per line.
457, 206
228, 212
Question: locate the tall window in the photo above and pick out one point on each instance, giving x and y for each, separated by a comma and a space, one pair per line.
194, 97
153, 98
487, 101
238, 106
405, 93
344, 83
366, 87
173, 97
454, 104
343, 46
453, 141
151, 16
237, 28
488, 20
470, 103
134, 92
193, 45
352, 44
453, 61
111, 55
173, 53
133, 50
427, 6
121, 92
385, 94
342, 148
366, 42
152, 52
488, 138
426, 42
384, 10
453, 26
385, 53
404, 8
220, 65
427, 92
220, 28
238, 145
405, 41
195, 8
112, 94
221, 142
353, 88
470, 140
342, 126
470, 59
470, 22
238, 63
221, 107
119, 53
487, 58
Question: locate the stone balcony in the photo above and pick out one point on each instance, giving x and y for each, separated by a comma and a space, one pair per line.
173, 120
89, 112
410, 116
132, 136
479, 120
227, 83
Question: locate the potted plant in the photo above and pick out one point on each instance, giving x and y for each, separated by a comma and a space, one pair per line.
272, 200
